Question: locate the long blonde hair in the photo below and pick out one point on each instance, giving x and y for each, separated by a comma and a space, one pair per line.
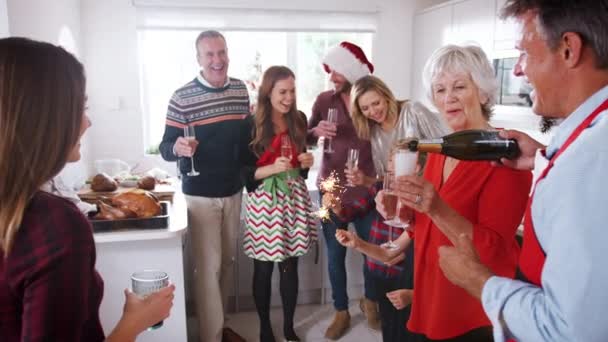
362, 124
264, 131
42, 99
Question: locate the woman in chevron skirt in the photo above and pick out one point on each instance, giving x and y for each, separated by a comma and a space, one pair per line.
279, 225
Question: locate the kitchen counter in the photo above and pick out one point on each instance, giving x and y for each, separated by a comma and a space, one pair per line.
121, 253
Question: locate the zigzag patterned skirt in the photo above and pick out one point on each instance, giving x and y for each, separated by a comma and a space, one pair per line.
275, 232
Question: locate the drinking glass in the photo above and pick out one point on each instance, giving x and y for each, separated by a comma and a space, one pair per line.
332, 117
286, 149
352, 161
390, 202
190, 135
146, 282
405, 165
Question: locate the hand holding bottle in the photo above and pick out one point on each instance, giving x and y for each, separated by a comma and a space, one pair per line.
527, 146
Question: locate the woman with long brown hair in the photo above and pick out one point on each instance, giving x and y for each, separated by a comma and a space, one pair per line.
279, 227
49, 289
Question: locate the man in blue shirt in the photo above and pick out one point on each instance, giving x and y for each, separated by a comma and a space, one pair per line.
561, 291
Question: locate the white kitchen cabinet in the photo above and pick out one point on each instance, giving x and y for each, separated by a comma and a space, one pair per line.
432, 29
455, 22
472, 21
505, 33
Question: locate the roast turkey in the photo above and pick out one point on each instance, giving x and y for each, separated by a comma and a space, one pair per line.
142, 203
135, 203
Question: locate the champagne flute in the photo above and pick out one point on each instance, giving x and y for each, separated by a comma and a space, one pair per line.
190, 135
389, 200
405, 164
146, 282
286, 149
352, 161
332, 117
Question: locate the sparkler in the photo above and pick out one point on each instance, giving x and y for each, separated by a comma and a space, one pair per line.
329, 185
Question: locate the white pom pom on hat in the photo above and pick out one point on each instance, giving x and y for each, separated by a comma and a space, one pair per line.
349, 60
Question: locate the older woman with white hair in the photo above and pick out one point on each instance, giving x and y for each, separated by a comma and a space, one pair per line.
456, 197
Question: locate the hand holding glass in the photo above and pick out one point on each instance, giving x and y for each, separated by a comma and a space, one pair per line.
190, 135
146, 282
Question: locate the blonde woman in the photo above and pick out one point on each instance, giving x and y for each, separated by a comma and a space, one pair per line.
379, 117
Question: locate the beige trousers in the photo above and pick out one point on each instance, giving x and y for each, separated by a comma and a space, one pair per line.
213, 229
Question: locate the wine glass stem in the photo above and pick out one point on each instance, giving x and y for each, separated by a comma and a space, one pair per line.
390, 234
192, 164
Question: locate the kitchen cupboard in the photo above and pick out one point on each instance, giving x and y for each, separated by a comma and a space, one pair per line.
454, 22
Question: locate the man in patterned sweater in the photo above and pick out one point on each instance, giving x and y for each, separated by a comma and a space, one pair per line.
216, 106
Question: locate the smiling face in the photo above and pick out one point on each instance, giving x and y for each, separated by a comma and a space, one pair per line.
540, 66
341, 84
212, 56
373, 106
457, 98
283, 95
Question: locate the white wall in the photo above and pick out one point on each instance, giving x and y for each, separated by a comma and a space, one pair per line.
4, 31
57, 22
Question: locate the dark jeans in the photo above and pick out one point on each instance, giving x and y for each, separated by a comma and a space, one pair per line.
483, 334
336, 255
394, 321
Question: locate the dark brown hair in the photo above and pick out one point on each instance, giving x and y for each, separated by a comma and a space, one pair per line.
263, 130
42, 99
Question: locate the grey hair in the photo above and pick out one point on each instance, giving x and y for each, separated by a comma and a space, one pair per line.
466, 59
207, 34
587, 18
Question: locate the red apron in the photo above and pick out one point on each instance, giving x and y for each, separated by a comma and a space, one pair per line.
532, 257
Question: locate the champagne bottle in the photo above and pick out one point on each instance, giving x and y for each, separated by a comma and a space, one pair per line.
469, 145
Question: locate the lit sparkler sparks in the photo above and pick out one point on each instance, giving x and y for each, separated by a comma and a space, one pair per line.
329, 185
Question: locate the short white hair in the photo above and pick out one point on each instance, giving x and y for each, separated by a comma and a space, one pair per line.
468, 59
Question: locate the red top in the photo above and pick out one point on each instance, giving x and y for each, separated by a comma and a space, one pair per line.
274, 151
49, 289
494, 200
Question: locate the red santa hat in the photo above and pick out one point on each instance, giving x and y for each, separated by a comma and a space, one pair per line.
349, 60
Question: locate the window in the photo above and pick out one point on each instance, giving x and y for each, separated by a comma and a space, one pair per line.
168, 61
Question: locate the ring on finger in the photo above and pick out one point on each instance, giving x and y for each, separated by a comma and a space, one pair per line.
418, 199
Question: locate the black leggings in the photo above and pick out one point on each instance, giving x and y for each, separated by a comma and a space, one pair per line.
262, 276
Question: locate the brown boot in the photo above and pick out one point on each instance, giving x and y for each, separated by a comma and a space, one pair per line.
338, 327
370, 310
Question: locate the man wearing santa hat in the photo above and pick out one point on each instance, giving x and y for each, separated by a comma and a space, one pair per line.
345, 64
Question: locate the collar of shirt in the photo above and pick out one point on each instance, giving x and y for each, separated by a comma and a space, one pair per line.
573, 120
204, 82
